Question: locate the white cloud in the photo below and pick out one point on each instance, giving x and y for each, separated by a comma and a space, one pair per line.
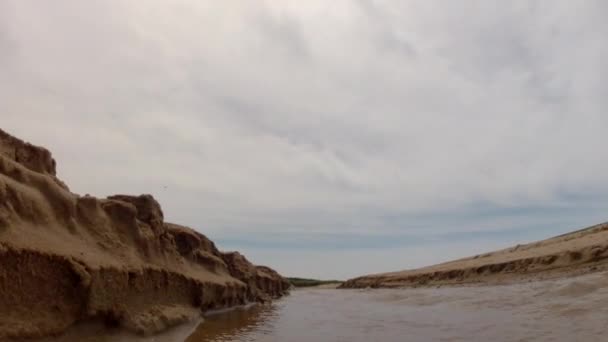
316, 116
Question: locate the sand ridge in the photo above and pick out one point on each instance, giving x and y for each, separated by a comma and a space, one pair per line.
581, 251
68, 258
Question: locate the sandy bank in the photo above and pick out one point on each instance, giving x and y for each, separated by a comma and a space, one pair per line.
69, 259
579, 252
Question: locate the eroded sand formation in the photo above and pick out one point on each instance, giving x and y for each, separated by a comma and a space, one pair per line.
67, 258
579, 252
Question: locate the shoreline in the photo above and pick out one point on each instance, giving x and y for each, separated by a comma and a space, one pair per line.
98, 331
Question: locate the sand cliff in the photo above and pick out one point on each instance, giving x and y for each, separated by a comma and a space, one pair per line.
579, 252
68, 259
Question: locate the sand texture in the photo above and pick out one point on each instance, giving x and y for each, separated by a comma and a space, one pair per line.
69, 259
575, 253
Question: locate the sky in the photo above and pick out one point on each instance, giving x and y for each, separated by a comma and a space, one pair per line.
325, 139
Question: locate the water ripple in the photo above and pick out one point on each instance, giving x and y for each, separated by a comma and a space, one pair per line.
558, 310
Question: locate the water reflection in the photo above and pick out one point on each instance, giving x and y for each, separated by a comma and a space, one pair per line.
236, 325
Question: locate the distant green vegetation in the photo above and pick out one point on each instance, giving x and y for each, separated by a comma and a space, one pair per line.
303, 282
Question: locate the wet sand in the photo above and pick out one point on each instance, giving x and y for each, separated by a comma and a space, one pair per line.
567, 309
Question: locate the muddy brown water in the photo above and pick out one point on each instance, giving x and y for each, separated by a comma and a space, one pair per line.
573, 309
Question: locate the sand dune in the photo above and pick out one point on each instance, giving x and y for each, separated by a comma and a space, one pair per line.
579, 252
70, 259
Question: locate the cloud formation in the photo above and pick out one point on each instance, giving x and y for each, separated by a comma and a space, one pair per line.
274, 120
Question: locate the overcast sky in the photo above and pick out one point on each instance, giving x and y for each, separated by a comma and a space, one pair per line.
323, 138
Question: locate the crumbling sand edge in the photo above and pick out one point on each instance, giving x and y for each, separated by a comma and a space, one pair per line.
68, 259
49, 293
